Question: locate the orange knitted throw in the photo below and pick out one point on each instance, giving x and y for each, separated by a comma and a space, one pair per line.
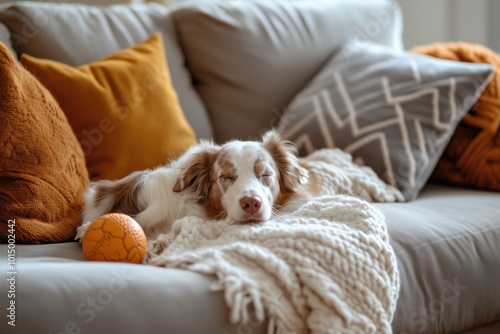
472, 157
42, 166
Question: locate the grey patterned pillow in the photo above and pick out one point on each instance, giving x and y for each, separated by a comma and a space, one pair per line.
393, 111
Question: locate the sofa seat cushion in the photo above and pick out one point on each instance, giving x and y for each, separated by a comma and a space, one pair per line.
250, 58
77, 34
446, 243
58, 292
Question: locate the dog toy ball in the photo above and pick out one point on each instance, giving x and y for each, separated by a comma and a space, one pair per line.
114, 237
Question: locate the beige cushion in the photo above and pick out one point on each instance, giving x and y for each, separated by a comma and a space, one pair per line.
446, 243
130, 299
250, 58
79, 34
4, 33
5, 37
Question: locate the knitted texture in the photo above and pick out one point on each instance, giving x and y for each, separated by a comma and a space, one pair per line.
472, 157
326, 267
335, 173
42, 166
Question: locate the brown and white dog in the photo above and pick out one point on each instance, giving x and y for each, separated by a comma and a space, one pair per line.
146, 195
245, 181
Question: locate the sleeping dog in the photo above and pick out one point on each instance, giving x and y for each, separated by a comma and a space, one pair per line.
245, 181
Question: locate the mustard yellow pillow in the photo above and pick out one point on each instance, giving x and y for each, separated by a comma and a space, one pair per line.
122, 108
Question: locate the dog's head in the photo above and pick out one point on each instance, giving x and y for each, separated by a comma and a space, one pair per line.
242, 180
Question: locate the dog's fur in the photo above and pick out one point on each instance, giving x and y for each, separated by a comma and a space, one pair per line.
147, 196
245, 181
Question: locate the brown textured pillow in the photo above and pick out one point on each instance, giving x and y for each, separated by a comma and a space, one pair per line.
472, 157
42, 166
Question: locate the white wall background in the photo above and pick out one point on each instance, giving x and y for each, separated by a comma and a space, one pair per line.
473, 21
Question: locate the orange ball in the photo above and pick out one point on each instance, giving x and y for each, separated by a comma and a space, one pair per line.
114, 237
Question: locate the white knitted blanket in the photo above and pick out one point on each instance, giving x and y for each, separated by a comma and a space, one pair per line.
325, 268
338, 174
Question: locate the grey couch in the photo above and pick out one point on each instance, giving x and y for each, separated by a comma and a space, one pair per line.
447, 241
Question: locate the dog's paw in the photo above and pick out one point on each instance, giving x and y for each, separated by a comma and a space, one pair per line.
154, 248
80, 231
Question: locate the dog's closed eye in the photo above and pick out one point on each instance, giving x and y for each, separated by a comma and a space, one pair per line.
242, 180
266, 179
227, 178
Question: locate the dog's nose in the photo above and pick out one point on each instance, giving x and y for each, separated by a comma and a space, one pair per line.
250, 204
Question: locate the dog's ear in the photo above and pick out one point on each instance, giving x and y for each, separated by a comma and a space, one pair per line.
121, 196
284, 153
196, 168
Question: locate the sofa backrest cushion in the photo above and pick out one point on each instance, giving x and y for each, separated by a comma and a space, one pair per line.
78, 34
5, 37
122, 108
250, 58
42, 166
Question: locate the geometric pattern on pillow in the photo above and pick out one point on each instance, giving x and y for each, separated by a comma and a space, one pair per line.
393, 111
